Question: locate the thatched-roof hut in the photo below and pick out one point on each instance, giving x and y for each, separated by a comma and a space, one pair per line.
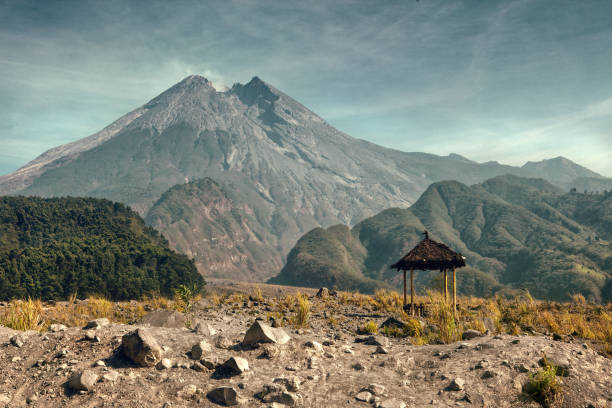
430, 255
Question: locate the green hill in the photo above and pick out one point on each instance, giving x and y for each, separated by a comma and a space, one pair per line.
53, 248
515, 233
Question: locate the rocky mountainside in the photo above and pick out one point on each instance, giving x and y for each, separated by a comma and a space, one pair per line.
274, 159
515, 233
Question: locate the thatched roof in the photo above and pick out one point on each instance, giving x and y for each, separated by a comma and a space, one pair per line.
430, 255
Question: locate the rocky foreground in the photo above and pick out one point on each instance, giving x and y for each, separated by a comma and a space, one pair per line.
232, 356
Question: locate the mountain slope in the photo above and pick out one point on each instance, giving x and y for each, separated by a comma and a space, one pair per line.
271, 155
514, 232
54, 248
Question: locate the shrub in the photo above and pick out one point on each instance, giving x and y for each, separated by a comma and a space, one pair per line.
23, 315
303, 310
544, 386
370, 327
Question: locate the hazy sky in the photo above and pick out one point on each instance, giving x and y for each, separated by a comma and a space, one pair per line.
492, 80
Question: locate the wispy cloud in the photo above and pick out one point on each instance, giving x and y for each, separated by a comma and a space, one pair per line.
505, 81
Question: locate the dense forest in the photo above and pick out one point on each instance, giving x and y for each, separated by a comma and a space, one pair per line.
54, 248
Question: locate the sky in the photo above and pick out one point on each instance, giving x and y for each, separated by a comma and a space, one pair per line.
510, 81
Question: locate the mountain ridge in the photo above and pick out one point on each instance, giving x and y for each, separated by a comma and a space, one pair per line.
265, 150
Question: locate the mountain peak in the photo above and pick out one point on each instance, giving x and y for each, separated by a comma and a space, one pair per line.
255, 90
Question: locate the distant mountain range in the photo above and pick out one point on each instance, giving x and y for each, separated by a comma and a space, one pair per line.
234, 178
514, 232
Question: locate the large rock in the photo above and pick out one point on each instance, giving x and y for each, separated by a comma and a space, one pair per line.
224, 395
470, 334
163, 318
97, 323
203, 328
200, 350
234, 366
83, 380
141, 347
262, 333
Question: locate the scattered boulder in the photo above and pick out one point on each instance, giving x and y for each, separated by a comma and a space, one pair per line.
83, 380
97, 323
163, 318
199, 350
373, 341
202, 328
262, 333
57, 327
381, 350
392, 322
456, 384
141, 347
470, 334
316, 346
223, 342
164, 364
364, 396
290, 384
224, 396
375, 389
17, 340
323, 293
234, 366
392, 403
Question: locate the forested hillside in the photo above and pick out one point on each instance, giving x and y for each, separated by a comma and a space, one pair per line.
515, 233
53, 248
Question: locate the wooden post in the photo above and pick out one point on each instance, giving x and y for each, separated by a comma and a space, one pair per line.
454, 291
445, 286
404, 287
412, 292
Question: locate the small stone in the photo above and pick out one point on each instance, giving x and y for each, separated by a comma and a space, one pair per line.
56, 327
482, 364
235, 366
392, 403
17, 340
200, 349
456, 384
323, 293
470, 334
83, 380
291, 368
223, 395
111, 376
314, 345
31, 398
348, 350
329, 355
211, 363
100, 363
270, 350
290, 384
375, 389
187, 391
223, 342
521, 368
204, 329
381, 350
515, 341
364, 396
373, 341
97, 323
16, 359
197, 366
164, 364
358, 367
488, 374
